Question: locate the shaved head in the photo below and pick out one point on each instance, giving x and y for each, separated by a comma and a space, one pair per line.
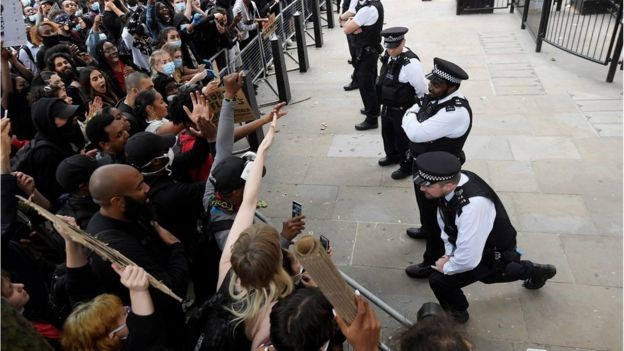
113, 180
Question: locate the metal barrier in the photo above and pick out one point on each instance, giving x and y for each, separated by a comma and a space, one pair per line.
482, 6
589, 29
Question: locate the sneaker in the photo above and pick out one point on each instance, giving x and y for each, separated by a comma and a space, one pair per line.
541, 273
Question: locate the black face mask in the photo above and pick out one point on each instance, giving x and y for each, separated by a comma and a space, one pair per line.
138, 212
51, 40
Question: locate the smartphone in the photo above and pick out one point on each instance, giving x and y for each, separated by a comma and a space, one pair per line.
297, 209
324, 242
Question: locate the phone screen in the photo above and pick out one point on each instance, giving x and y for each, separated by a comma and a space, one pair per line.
297, 209
324, 242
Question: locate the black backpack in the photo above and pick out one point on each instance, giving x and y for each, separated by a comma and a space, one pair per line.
23, 160
212, 326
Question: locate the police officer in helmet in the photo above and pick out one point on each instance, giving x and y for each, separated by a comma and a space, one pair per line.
401, 83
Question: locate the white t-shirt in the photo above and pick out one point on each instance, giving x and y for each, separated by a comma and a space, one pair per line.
152, 126
366, 16
412, 73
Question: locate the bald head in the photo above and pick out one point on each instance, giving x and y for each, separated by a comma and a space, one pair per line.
114, 180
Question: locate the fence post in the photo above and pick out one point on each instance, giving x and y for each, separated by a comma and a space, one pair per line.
281, 74
302, 49
330, 13
525, 14
615, 58
256, 137
338, 6
316, 20
543, 26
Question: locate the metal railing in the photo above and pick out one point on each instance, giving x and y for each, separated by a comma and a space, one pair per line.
482, 6
589, 29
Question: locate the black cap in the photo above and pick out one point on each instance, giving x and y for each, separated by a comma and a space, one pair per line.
393, 36
447, 71
75, 170
226, 175
54, 107
436, 166
46, 2
143, 147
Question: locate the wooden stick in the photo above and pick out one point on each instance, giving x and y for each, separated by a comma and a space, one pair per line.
87, 240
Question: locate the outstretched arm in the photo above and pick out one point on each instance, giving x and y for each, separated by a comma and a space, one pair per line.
245, 215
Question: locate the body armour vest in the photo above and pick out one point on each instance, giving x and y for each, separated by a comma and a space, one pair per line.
451, 145
370, 37
393, 92
502, 237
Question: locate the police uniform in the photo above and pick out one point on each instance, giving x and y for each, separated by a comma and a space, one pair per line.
436, 125
401, 82
367, 43
348, 6
479, 238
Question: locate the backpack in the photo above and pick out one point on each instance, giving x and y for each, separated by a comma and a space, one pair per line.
212, 326
23, 160
58, 298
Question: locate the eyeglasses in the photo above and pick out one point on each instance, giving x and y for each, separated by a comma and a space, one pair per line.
121, 327
110, 50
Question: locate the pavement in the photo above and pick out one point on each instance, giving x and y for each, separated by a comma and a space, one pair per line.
547, 136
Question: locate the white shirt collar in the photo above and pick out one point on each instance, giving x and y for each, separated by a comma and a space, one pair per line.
462, 180
454, 94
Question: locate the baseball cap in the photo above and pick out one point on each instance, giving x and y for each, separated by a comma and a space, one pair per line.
53, 107
229, 174
143, 147
75, 170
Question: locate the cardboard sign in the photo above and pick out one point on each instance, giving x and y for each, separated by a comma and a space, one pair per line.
12, 24
268, 28
242, 111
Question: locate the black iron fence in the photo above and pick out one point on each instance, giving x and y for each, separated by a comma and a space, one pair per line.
482, 6
590, 29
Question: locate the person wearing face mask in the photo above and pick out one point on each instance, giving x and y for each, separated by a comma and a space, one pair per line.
440, 122
126, 223
58, 137
183, 74
170, 35
161, 64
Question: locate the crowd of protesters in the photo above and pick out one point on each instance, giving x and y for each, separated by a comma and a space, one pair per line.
107, 124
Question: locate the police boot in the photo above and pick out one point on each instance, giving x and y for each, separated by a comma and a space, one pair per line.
419, 271
401, 173
387, 161
369, 123
416, 233
540, 274
460, 317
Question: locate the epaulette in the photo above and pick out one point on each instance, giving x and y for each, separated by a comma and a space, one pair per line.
461, 199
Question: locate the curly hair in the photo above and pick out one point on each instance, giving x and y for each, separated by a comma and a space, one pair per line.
89, 324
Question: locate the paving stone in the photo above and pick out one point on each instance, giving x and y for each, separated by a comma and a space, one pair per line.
603, 267
589, 149
299, 145
560, 124
552, 214
513, 176
574, 315
582, 177
343, 171
547, 248
487, 148
608, 130
505, 124
538, 148
538, 347
600, 104
375, 204
483, 343
289, 169
387, 181
606, 213
604, 117
318, 200
375, 240
554, 103
356, 145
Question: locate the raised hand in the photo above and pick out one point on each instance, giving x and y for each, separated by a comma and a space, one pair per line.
201, 108
233, 83
363, 333
132, 277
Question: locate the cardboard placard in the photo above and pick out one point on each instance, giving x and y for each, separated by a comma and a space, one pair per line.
242, 112
12, 26
268, 28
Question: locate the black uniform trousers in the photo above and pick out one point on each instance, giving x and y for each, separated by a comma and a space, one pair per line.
394, 138
366, 75
428, 210
447, 288
353, 53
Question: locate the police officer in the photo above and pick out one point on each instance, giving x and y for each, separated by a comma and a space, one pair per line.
401, 82
441, 122
366, 27
348, 11
479, 239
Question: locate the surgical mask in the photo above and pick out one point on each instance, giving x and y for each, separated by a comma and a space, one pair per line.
78, 13
170, 156
169, 68
103, 36
32, 18
77, 27
26, 3
180, 7
95, 7
177, 63
183, 27
176, 43
170, 98
133, 8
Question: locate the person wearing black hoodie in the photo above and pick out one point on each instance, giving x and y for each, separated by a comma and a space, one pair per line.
58, 137
73, 175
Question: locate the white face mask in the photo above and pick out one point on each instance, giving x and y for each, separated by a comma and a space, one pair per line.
170, 156
26, 3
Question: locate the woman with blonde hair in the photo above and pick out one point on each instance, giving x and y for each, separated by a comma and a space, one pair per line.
251, 264
183, 74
